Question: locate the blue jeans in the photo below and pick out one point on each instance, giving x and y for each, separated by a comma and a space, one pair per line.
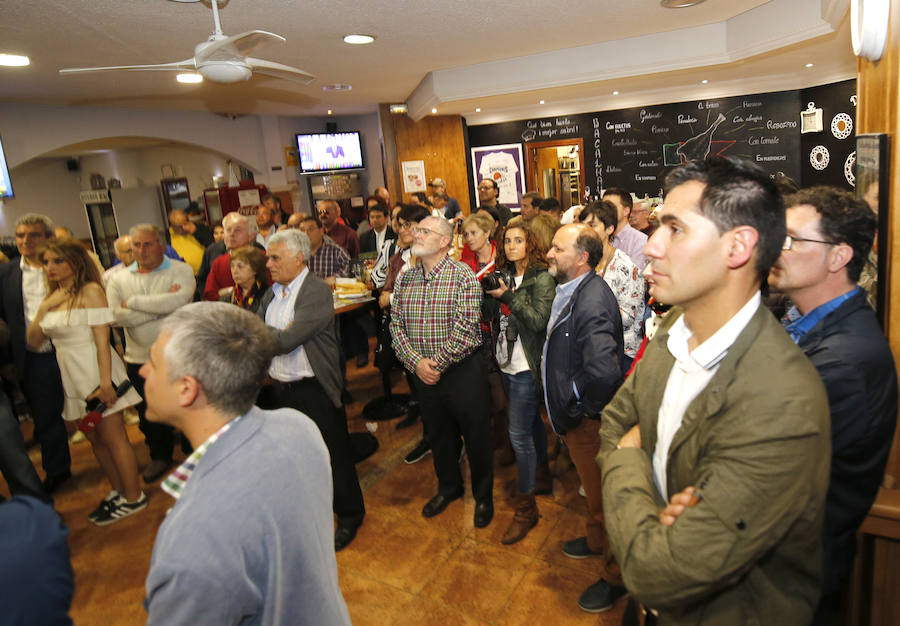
526, 430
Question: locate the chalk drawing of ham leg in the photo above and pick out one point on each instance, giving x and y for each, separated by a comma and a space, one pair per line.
697, 148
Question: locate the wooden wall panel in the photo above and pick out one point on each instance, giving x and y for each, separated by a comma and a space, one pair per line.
877, 112
438, 140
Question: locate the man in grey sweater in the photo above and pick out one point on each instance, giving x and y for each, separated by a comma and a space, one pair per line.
140, 296
249, 537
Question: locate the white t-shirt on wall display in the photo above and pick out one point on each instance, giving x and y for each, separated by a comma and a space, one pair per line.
501, 166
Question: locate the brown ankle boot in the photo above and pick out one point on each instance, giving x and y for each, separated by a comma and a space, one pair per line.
543, 480
525, 519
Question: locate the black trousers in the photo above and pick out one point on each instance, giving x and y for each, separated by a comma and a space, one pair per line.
460, 405
43, 390
308, 397
160, 438
15, 465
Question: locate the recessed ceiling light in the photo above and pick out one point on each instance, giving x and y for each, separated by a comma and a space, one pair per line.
399, 109
358, 40
329, 111
615, 93
679, 4
704, 81
337, 87
433, 111
189, 77
14, 60
541, 102
809, 65
478, 110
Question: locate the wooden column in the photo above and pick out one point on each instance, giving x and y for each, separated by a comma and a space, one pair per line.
437, 140
877, 112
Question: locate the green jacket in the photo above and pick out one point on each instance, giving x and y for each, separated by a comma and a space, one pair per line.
757, 439
530, 306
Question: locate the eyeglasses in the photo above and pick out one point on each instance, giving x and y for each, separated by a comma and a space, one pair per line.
404, 225
424, 231
789, 242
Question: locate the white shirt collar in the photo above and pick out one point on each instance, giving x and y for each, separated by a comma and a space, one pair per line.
709, 353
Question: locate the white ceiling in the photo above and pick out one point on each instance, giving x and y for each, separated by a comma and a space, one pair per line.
501, 56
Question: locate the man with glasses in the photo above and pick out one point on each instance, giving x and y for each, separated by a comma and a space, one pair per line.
341, 234
436, 334
488, 197
830, 234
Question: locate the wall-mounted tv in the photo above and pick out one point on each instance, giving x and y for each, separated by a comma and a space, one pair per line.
330, 152
6, 190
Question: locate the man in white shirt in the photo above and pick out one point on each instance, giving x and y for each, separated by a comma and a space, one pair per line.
140, 297
122, 246
266, 225
626, 238
306, 373
715, 450
22, 289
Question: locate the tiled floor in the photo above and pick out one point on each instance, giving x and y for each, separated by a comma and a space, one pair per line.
401, 569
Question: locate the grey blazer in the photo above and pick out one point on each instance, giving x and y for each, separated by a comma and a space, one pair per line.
312, 328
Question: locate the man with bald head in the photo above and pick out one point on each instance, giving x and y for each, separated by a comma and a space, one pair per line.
383, 194
436, 334
340, 233
240, 231
124, 253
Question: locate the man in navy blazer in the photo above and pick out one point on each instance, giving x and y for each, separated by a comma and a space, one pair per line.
22, 289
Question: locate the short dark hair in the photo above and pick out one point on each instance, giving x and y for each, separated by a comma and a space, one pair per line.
413, 213
603, 210
623, 195
588, 241
844, 218
379, 205
312, 218
550, 204
738, 193
536, 198
786, 185
493, 182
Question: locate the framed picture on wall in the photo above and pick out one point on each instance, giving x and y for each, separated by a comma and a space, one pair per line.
872, 186
413, 176
504, 165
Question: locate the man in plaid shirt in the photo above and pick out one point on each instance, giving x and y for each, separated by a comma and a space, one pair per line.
436, 334
327, 259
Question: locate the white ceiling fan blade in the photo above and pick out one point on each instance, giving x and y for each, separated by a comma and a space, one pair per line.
277, 70
236, 45
187, 64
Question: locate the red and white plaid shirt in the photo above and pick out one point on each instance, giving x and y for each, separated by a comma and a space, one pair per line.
436, 316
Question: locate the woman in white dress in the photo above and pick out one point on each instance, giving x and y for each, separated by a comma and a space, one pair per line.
75, 316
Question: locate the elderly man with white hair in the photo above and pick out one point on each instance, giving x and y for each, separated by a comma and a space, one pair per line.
306, 373
436, 334
238, 231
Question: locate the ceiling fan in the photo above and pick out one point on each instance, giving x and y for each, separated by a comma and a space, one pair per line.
221, 58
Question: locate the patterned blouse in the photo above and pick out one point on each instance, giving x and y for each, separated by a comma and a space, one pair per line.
627, 283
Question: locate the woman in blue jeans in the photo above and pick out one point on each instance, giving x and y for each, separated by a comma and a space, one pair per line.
524, 313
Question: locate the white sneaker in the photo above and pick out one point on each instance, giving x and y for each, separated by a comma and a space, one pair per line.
77, 437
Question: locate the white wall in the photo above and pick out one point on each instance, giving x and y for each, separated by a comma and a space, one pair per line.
205, 141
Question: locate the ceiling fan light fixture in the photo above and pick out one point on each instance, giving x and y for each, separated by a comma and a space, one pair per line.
14, 60
679, 4
358, 39
337, 87
226, 71
189, 78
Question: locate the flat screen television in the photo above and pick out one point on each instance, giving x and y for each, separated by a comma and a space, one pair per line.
330, 152
6, 190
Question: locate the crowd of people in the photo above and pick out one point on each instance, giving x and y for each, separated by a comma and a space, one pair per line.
727, 457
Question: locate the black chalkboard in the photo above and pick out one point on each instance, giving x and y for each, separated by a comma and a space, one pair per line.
635, 148
837, 138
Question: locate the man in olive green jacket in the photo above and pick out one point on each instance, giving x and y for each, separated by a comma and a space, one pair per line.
715, 452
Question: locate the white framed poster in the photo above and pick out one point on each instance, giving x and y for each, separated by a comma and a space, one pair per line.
413, 176
505, 166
